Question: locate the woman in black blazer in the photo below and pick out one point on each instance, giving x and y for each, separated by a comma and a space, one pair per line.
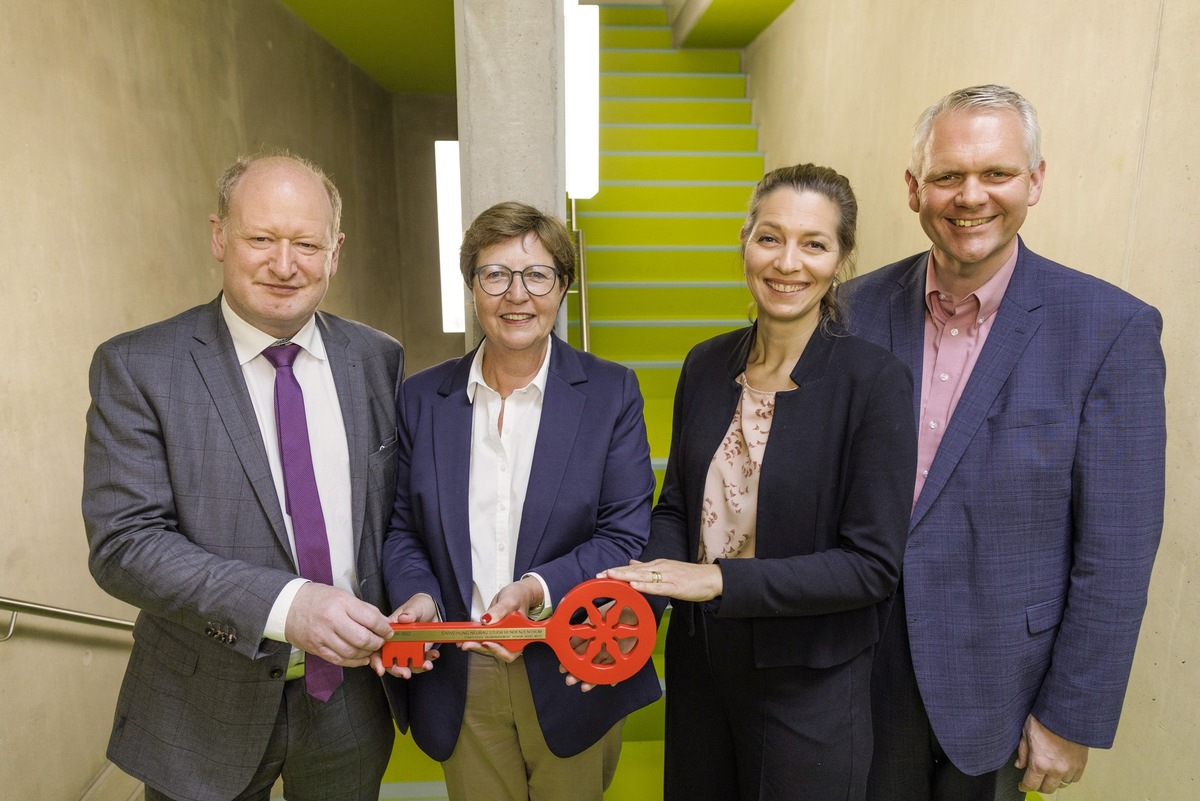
781, 524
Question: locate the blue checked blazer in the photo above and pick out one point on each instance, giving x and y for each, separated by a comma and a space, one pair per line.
1031, 545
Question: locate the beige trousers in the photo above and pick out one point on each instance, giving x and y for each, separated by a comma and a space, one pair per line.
501, 754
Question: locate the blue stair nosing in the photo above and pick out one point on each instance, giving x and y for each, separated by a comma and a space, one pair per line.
684, 125
735, 322
723, 215
664, 182
623, 99
670, 73
665, 284
663, 49
614, 248
691, 154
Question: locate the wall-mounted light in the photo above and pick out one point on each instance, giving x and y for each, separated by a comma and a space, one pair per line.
582, 30
450, 231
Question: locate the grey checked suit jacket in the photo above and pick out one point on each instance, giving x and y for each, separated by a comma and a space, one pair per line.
183, 522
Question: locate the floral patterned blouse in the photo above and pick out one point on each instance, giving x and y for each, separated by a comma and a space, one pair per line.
729, 516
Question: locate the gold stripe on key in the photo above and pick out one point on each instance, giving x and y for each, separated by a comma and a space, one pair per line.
497, 634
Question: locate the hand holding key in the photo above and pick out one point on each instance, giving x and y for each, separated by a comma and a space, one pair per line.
601, 661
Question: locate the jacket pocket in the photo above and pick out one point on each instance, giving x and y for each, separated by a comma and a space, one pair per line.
1029, 417
385, 451
1045, 615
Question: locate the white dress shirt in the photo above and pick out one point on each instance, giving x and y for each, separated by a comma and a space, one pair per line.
331, 454
500, 465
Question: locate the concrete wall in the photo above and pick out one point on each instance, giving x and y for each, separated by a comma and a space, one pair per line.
421, 120
1115, 84
118, 117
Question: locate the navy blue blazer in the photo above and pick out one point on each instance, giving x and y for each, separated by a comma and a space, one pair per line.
1031, 544
587, 509
834, 492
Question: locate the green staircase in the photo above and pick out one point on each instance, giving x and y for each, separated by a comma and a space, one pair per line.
678, 159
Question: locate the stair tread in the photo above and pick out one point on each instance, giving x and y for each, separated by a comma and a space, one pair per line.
679, 158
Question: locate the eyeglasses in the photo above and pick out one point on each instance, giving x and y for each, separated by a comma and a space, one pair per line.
495, 279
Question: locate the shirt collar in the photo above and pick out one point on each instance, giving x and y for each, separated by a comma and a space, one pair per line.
249, 342
475, 377
987, 296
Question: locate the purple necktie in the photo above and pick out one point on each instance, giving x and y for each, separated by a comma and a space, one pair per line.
302, 501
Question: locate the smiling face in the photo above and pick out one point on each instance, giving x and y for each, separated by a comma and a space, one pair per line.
277, 246
974, 191
517, 323
791, 256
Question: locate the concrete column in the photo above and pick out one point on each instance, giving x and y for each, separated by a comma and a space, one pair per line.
510, 58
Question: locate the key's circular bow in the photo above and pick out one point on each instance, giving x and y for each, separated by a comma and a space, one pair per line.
613, 638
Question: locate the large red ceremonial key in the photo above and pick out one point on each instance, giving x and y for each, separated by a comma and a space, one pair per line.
614, 650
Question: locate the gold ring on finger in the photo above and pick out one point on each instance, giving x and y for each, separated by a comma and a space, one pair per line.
655, 577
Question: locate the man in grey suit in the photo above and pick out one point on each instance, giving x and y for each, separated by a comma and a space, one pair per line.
192, 517
1040, 477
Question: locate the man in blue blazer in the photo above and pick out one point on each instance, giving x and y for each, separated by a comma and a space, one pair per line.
1039, 498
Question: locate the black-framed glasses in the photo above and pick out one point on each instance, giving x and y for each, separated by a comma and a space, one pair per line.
495, 279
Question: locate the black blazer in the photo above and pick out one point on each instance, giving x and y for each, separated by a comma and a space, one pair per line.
833, 500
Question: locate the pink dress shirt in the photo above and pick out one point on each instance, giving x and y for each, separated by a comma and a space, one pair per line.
955, 330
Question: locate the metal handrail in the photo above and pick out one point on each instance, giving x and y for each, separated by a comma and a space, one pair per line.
69, 615
585, 334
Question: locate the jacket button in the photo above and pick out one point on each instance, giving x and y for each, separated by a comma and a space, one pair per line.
276, 673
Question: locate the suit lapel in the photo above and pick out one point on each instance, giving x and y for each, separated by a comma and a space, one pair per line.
908, 325
217, 362
1017, 319
452, 421
351, 387
562, 412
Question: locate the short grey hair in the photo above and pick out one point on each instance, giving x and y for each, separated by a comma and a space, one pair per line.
987, 96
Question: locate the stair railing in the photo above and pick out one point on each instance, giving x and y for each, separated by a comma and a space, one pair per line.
585, 334
27, 607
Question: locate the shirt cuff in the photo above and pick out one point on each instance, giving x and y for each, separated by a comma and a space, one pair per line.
277, 619
546, 608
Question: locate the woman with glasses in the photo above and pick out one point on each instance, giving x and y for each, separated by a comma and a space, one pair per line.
523, 470
782, 519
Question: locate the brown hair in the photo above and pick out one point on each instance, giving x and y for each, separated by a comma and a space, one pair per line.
836, 188
508, 220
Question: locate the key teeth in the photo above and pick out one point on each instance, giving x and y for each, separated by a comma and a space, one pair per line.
400, 654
